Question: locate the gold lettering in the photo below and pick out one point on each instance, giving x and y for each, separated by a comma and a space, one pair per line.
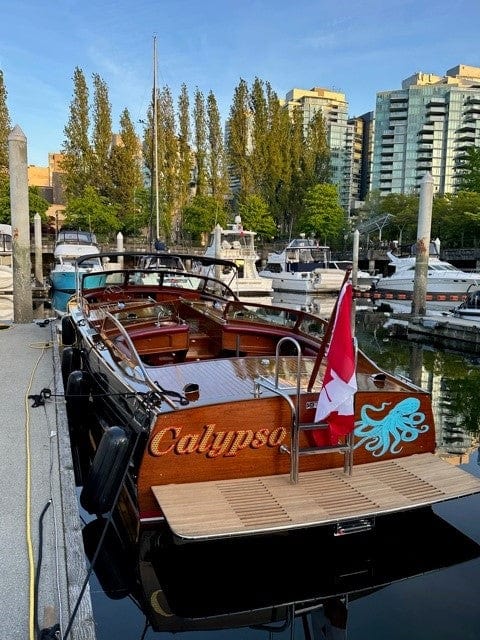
242, 439
155, 443
261, 438
203, 445
187, 444
220, 443
276, 436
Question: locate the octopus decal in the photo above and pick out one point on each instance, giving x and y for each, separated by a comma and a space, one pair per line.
403, 423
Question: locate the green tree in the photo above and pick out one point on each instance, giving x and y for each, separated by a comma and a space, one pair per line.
36, 202
101, 138
239, 139
168, 163
217, 174
201, 215
200, 138
323, 216
128, 191
76, 149
256, 216
470, 171
316, 154
4, 127
92, 212
184, 148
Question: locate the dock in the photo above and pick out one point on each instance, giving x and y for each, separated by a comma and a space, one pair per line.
44, 571
442, 330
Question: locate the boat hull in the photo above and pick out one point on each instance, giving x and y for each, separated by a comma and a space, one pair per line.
66, 280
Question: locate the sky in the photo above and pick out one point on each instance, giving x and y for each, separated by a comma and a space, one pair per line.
357, 49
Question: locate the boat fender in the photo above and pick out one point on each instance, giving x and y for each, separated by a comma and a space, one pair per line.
113, 563
71, 361
77, 396
68, 331
107, 471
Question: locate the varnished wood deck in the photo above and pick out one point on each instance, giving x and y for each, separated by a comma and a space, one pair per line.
267, 504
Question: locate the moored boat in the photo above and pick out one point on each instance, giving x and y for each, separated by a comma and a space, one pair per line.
470, 307
201, 413
446, 285
305, 268
236, 244
71, 245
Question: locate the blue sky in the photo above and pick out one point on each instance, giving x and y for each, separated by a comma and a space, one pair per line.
356, 48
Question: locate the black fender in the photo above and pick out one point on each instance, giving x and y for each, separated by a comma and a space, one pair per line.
107, 472
71, 361
68, 331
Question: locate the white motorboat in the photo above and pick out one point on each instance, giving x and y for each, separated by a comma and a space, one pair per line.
237, 245
445, 283
304, 267
71, 245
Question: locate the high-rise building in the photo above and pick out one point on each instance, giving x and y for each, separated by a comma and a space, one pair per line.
340, 134
350, 140
426, 126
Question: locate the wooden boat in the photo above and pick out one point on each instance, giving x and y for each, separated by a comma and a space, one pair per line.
196, 409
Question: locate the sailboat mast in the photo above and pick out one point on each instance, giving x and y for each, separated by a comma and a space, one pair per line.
155, 137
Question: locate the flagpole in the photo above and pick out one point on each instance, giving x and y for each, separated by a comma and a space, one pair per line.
326, 337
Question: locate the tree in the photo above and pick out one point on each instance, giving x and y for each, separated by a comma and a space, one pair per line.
184, 148
470, 171
77, 152
4, 127
217, 174
128, 191
102, 138
168, 163
256, 216
323, 216
200, 139
91, 211
201, 215
316, 152
36, 203
239, 140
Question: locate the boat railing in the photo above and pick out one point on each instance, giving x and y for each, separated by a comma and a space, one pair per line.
346, 447
136, 360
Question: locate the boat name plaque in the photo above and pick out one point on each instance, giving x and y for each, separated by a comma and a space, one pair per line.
214, 444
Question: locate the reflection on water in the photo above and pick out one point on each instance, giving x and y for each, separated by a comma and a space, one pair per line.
414, 578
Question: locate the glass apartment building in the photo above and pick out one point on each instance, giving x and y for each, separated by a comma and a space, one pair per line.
426, 126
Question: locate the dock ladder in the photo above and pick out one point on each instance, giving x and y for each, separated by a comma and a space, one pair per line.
296, 426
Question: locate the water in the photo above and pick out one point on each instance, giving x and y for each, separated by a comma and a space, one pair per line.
441, 604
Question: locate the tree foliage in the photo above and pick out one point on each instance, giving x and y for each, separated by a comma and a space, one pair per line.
200, 216
322, 215
36, 202
256, 216
77, 150
92, 212
4, 127
470, 171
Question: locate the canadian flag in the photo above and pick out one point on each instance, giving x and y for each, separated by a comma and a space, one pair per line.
335, 402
